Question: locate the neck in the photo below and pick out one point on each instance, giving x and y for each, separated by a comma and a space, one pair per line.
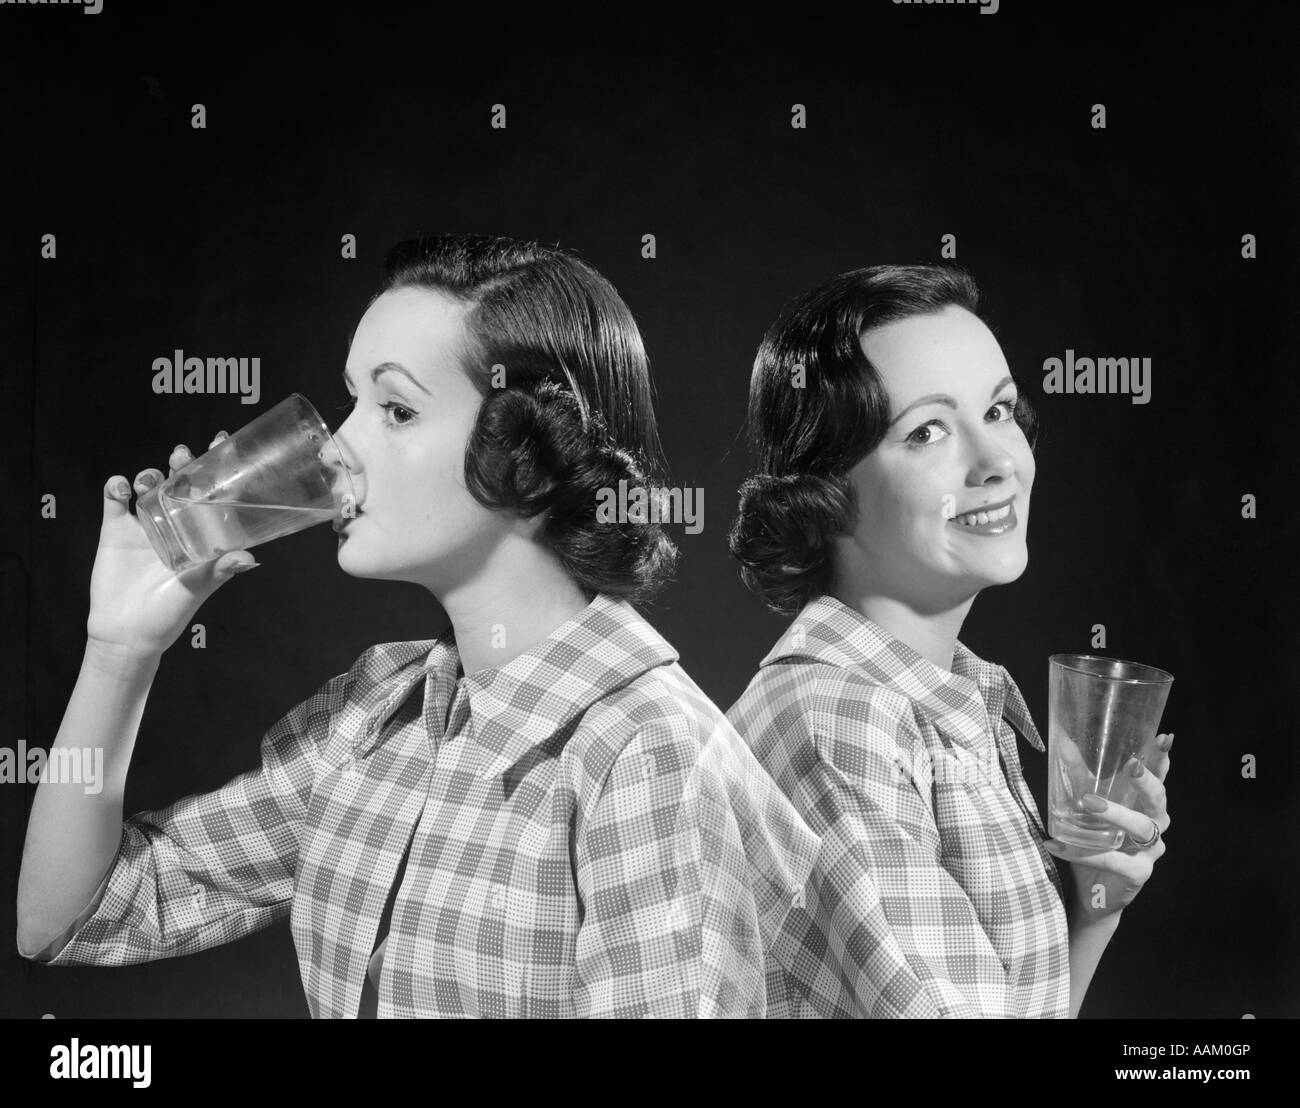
519, 597
931, 633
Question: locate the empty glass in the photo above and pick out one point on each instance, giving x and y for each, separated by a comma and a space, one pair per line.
1100, 713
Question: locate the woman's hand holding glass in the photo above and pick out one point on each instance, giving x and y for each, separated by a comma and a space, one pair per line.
1106, 882
138, 606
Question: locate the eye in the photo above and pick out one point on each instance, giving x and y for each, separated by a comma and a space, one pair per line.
392, 408
933, 425
1010, 406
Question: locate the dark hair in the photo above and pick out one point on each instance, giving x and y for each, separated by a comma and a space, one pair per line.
807, 439
575, 414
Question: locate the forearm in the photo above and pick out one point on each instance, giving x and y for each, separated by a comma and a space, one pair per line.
76, 825
1089, 936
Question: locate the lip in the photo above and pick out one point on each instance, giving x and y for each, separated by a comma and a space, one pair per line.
988, 507
340, 525
996, 527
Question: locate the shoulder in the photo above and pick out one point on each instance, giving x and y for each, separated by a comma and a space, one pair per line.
661, 719
802, 700
834, 739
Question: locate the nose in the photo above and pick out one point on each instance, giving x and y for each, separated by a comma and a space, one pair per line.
991, 462
342, 440
351, 462
346, 452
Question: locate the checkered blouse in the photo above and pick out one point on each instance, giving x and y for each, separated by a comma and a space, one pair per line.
934, 895
587, 834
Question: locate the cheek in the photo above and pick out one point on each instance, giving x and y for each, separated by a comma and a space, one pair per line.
917, 506
439, 494
900, 510
440, 456
924, 504
417, 482
445, 502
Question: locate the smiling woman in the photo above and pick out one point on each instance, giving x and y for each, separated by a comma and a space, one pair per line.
892, 487
535, 812
867, 340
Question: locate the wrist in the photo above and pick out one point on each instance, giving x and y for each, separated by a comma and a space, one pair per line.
1078, 917
119, 660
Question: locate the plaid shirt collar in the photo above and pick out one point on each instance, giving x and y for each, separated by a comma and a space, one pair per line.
829, 631
543, 692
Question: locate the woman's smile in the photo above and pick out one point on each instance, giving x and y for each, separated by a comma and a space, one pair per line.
996, 519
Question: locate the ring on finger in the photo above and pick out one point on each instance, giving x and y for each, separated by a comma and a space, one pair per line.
1148, 843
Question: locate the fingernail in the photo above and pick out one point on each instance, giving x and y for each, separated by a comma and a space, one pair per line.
1136, 769
1094, 803
240, 567
121, 488
148, 480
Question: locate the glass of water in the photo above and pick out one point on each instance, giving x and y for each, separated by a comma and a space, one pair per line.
275, 476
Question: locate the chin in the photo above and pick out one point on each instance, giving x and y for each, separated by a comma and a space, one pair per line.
1008, 569
352, 562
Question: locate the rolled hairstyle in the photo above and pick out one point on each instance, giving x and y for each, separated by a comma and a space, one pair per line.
807, 439
575, 415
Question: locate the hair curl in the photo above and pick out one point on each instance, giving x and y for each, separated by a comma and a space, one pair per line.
529, 453
783, 532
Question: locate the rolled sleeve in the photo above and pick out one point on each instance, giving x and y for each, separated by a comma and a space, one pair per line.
210, 868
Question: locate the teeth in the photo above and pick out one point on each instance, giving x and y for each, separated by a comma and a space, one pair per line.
973, 519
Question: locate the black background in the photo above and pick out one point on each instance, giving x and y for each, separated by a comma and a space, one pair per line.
373, 120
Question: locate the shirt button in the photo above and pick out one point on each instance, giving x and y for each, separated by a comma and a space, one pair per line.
196, 894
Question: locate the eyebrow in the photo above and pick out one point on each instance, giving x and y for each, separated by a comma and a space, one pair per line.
944, 398
387, 367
